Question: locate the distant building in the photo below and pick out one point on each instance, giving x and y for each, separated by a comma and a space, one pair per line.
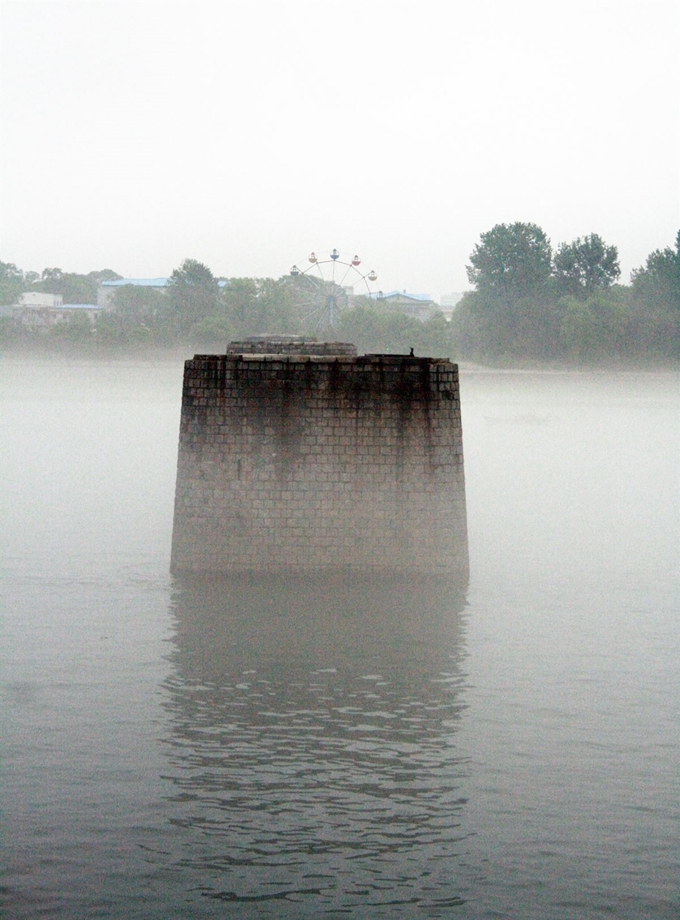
36, 310
91, 310
420, 306
108, 288
41, 311
449, 302
36, 299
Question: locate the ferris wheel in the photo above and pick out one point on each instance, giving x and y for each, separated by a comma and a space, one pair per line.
323, 289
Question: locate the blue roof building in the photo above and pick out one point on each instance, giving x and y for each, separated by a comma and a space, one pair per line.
107, 288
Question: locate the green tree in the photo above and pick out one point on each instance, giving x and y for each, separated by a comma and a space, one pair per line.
526, 329
137, 304
362, 325
585, 266
436, 337
511, 261
400, 332
657, 284
511, 315
601, 328
239, 296
135, 318
469, 326
76, 330
74, 288
193, 294
378, 330
9, 331
275, 307
12, 282
104, 274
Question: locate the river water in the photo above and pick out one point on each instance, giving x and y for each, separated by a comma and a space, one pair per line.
177, 749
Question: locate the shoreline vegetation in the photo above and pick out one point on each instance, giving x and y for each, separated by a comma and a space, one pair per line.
14, 361
531, 307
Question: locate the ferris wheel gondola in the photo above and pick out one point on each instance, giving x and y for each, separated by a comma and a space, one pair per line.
326, 287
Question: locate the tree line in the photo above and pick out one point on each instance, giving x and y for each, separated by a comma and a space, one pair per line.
529, 303
200, 311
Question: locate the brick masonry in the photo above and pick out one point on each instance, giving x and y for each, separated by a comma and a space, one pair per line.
289, 345
320, 463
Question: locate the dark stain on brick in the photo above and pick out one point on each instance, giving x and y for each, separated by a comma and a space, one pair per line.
334, 462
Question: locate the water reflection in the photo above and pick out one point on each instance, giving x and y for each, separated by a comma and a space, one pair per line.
312, 752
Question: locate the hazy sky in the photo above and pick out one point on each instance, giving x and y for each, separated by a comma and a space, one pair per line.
246, 134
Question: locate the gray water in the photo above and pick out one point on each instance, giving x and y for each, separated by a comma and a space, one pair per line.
176, 749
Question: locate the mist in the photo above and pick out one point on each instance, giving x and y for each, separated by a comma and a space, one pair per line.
176, 744
498, 743
248, 135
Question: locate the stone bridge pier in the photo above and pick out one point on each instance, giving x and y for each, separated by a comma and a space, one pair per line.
302, 457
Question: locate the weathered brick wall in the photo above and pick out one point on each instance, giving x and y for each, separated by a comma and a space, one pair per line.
320, 463
289, 345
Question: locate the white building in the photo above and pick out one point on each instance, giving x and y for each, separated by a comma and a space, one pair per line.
38, 300
36, 310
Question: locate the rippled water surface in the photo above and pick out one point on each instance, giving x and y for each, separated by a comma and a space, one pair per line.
178, 749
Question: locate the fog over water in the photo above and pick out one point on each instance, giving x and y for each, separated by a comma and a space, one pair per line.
176, 748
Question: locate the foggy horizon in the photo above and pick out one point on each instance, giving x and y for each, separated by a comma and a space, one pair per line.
247, 136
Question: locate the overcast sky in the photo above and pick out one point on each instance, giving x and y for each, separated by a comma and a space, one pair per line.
246, 134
